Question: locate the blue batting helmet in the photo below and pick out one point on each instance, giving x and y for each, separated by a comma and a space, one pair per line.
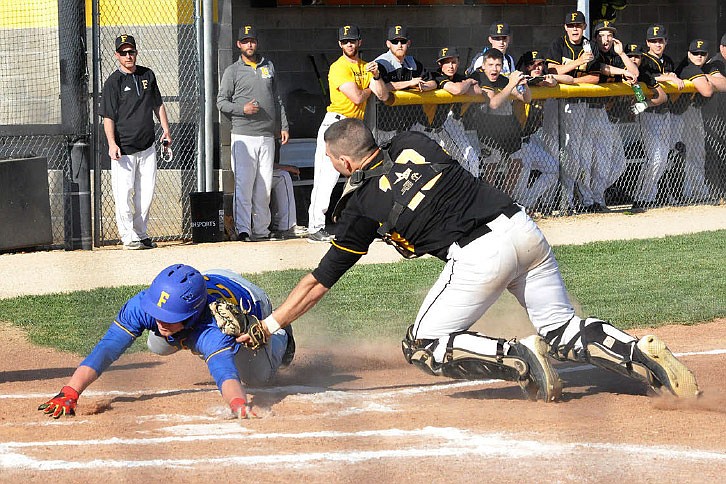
176, 294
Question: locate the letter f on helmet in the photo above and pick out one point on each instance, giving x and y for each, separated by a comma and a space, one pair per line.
177, 294
163, 298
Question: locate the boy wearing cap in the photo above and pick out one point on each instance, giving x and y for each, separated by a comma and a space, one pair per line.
688, 121
400, 70
448, 116
655, 121
248, 95
499, 38
129, 101
540, 138
572, 54
714, 113
498, 128
351, 82
608, 155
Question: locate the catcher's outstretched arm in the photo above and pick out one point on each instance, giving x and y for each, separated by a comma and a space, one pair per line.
304, 296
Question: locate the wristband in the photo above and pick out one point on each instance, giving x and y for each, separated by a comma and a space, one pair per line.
272, 324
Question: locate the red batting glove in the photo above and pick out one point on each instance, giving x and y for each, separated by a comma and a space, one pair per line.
62, 404
241, 409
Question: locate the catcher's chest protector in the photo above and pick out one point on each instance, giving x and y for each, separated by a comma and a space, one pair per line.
409, 179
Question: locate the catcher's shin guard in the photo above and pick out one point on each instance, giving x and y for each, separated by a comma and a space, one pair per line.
525, 363
648, 359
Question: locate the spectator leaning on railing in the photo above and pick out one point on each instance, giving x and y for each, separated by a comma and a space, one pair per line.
608, 154
688, 122
571, 54
540, 142
655, 122
498, 128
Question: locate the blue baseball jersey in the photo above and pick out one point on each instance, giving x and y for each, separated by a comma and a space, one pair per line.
201, 336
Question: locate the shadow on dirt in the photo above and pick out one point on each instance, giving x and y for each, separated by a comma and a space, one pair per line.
66, 372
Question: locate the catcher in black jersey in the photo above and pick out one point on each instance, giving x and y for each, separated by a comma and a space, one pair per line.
416, 197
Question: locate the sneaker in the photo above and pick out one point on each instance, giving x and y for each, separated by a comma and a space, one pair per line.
320, 236
283, 235
134, 245
148, 243
299, 231
244, 237
665, 368
542, 380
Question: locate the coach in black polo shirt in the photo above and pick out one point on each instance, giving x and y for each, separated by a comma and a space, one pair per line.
130, 98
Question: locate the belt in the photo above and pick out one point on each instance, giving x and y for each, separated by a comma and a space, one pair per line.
507, 212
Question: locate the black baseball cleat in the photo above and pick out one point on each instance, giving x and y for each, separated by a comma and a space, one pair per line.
542, 381
666, 371
289, 354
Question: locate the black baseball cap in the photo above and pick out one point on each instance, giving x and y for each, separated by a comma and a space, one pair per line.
397, 32
349, 32
529, 57
656, 31
247, 32
698, 45
446, 52
125, 39
633, 49
605, 25
575, 17
499, 29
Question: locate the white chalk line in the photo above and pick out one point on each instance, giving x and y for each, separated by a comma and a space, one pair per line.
455, 442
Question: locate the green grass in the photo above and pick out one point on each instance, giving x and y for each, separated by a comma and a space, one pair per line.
635, 283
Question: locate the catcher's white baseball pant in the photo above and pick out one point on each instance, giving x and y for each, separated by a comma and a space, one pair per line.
252, 161
655, 130
688, 128
282, 201
325, 177
513, 256
133, 178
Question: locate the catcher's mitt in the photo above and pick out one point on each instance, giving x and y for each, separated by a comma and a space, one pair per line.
235, 321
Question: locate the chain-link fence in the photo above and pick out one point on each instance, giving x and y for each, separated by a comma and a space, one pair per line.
575, 149
166, 37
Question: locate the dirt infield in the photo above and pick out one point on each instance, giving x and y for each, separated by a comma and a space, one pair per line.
356, 413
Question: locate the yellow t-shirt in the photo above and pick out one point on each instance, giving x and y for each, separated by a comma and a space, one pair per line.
342, 71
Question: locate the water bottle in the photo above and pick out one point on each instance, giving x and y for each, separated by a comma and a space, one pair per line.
639, 94
586, 46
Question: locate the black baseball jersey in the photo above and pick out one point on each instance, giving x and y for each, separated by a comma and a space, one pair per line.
129, 100
562, 51
650, 68
441, 110
456, 209
391, 70
687, 71
715, 64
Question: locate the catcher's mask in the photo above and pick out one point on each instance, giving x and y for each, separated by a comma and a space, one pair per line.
177, 294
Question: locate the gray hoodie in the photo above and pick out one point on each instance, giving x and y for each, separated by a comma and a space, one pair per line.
240, 84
